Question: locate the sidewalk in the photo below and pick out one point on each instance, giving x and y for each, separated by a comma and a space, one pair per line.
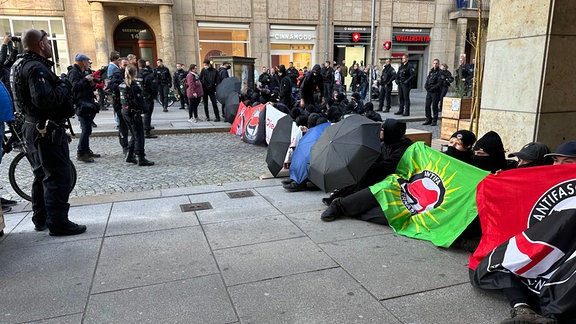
265, 258
247, 252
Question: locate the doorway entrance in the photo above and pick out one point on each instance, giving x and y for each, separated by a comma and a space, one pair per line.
133, 36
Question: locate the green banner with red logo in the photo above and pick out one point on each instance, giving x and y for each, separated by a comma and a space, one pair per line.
432, 196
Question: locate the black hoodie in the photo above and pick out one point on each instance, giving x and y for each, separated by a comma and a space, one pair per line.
311, 82
393, 147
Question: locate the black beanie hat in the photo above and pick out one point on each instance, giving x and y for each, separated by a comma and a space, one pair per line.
282, 69
490, 143
466, 137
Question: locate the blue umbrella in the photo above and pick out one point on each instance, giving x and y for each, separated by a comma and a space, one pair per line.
301, 156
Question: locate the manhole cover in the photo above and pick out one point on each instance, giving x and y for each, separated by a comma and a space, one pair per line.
240, 194
195, 206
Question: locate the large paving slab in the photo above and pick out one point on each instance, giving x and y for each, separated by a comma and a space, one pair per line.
342, 229
94, 217
271, 259
327, 296
391, 265
198, 300
46, 281
225, 208
250, 231
149, 215
148, 258
456, 304
292, 202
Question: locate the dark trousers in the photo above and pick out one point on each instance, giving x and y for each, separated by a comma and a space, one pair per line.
163, 91
404, 98
147, 116
86, 127
122, 132
193, 111
136, 126
443, 93
431, 106
364, 206
50, 160
385, 95
212, 97
183, 100
101, 97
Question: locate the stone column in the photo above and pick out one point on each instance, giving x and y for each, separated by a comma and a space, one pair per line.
166, 45
102, 52
460, 48
528, 89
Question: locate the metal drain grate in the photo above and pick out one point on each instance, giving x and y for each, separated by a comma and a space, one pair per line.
195, 206
240, 194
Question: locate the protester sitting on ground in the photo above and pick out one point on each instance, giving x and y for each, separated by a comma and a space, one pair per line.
460, 146
393, 145
489, 153
565, 153
532, 154
289, 184
370, 113
521, 299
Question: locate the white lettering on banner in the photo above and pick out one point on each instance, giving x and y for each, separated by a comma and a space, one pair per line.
293, 37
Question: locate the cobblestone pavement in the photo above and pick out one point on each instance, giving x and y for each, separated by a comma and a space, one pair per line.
181, 161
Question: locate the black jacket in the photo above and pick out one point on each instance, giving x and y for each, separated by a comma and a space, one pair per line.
39, 91
310, 83
406, 73
293, 74
82, 89
328, 75
115, 80
178, 76
388, 75
434, 81
222, 74
447, 78
162, 74
209, 77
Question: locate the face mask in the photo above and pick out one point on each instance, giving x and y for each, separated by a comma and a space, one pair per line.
463, 156
486, 163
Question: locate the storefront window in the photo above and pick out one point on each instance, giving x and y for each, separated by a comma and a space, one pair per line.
300, 54
223, 41
53, 26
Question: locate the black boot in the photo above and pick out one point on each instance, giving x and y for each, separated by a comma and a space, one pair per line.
130, 158
427, 122
332, 212
399, 112
434, 121
142, 161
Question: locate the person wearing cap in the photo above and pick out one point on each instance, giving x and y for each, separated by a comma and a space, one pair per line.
83, 86
532, 154
460, 146
223, 74
565, 153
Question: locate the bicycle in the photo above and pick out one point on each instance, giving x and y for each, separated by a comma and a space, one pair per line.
172, 98
20, 173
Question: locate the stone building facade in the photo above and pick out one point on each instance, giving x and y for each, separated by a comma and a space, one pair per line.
273, 32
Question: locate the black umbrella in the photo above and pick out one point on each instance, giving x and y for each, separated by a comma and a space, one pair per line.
231, 107
344, 152
225, 87
279, 144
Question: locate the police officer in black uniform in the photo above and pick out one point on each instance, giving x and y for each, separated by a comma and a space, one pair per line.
433, 87
45, 101
406, 73
386, 78
162, 74
180, 75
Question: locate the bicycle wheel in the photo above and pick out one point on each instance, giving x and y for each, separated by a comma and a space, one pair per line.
21, 176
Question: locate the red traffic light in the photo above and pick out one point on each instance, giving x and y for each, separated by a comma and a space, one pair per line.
355, 37
387, 45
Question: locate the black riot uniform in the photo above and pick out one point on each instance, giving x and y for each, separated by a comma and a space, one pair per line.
45, 101
433, 87
406, 73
